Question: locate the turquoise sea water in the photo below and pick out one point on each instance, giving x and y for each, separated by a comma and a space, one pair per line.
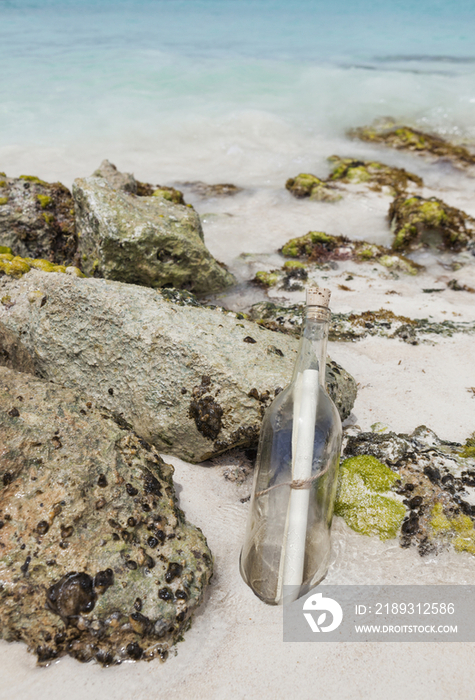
128, 75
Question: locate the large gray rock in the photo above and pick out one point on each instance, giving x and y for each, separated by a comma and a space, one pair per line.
96, 560
37, 219
193, 381
145, 240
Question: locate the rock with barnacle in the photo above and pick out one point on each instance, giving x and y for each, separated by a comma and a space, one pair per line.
194, 381
131, 232
96, 559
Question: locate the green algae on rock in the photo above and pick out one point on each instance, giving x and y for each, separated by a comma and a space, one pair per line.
171, 367
306, 185
144, 240
364, 499
415, 221
376, 175
15, 266
319, 247
37, 219
96, 559
436, 479
390, 133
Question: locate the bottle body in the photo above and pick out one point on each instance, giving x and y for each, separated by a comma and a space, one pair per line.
288, 532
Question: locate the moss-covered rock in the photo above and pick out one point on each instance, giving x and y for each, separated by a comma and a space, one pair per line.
415, 221
390, 133
37, 219
96, 559
266, 279
364, 499
306, 185
436, 480
319, 247
146, 240
376, 175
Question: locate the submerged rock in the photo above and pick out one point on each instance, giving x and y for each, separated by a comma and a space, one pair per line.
390, 133
355, 326
321, 248
96, 559
145, 240
376, 175
415, 221
207, 191
306, 185
193, 381
432, 485
37, 219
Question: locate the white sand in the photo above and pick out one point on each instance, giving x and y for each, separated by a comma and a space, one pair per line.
234, 649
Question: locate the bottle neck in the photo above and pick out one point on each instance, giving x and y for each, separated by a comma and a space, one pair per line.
312, 352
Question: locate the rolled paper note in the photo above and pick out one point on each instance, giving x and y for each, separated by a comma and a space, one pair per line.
302, 456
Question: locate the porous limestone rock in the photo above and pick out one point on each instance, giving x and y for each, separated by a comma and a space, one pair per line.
37, 219
415, 221
389, 132
145, 240
433, 479
96, 559
306, 185
191, 380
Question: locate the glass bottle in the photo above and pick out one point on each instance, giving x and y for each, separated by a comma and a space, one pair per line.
287, 546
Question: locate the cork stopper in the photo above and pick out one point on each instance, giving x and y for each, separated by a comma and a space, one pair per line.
318, 297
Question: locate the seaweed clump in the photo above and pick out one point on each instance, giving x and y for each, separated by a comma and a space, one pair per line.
388, 132
415, 221
355, 326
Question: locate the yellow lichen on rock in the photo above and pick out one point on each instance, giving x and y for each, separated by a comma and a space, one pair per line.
15, 266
